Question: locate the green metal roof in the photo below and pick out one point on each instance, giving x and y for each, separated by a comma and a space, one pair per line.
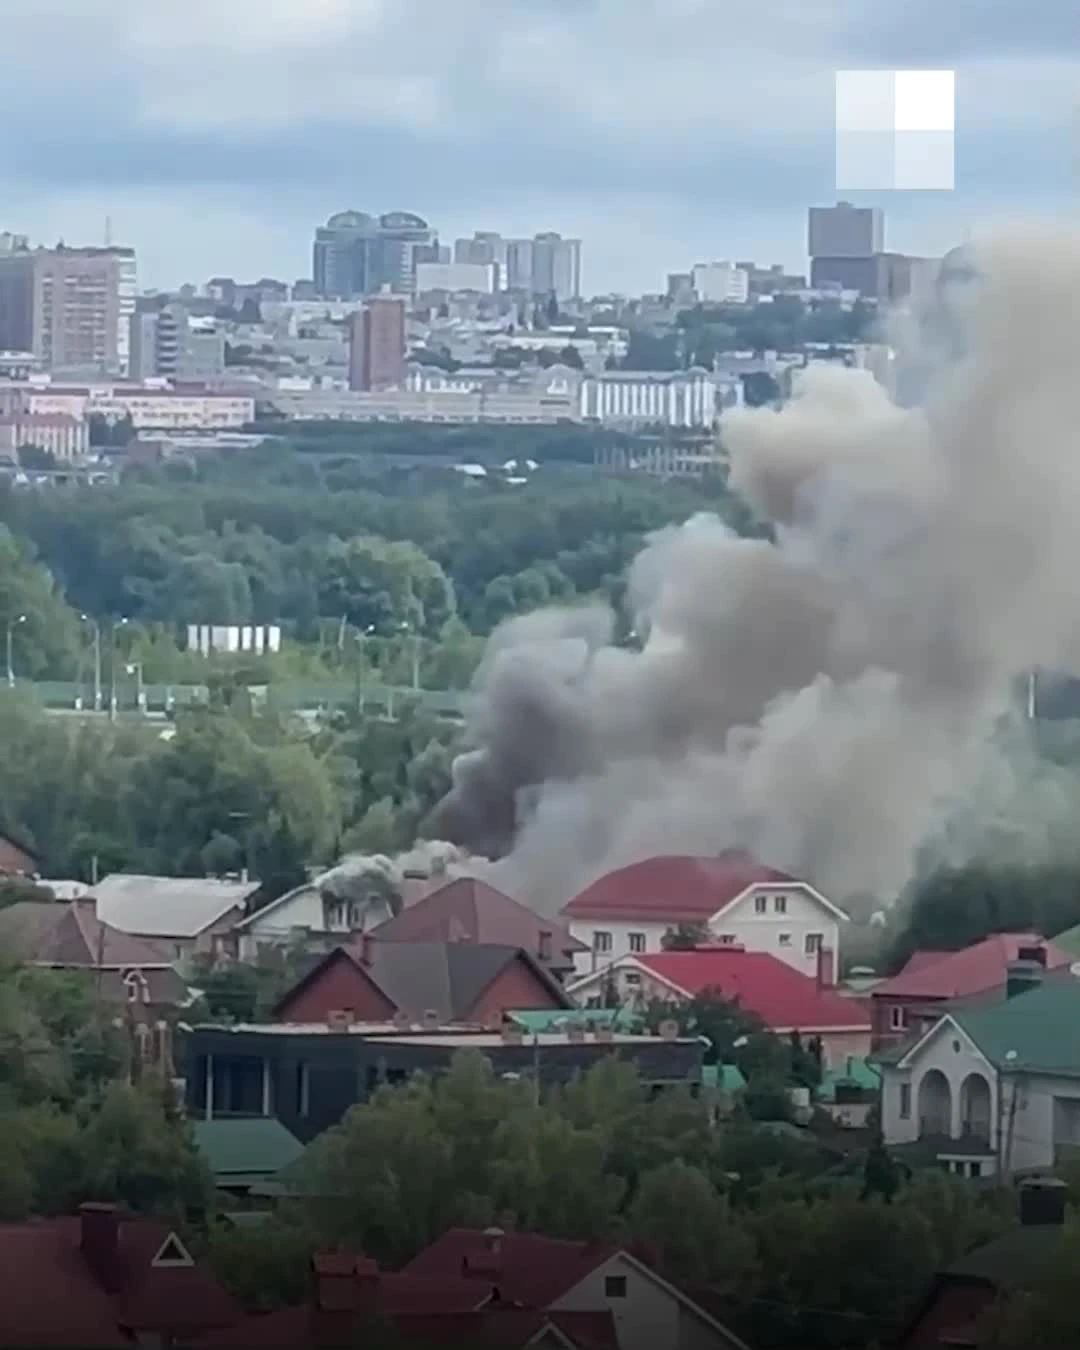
551, 1019
723, 1077
856, 1072
241, 1152
1069, 941
1036, 1032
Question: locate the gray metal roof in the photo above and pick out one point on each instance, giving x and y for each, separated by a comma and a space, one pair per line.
180, 907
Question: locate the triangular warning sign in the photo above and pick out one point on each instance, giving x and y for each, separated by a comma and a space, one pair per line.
172, 1253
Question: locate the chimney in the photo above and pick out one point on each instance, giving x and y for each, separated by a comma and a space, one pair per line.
544, 950
364, 945
512, 1034
575, 1033
99, 1241
1035, 951
493, 1241
826, 968
432, 1020
1042, 1202
1021, 977
339, 1019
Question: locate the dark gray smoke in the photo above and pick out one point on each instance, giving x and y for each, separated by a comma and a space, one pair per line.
824, 700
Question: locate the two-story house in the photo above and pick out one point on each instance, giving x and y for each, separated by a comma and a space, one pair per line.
913, 1000
992, 1088
733, 898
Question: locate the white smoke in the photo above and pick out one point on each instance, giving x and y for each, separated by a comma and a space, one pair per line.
824, 699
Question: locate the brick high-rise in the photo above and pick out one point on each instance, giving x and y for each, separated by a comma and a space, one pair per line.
377, 344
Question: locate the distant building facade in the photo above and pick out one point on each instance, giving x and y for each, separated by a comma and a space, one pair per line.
377, 345
356, 254
845, 231
59, 434
719, 283
167, 343
457, 276
637, 398
70, 307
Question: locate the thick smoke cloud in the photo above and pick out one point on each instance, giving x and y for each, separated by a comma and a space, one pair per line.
825, 698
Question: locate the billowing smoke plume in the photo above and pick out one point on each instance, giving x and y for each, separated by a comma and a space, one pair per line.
825, 698
360, 876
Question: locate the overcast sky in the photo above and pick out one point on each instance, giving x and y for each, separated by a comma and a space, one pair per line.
215, 134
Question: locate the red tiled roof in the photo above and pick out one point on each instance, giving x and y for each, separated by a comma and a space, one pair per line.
529, 1269
469, 910
50, 1296
783, 998
673, 889
49, 933
974, 970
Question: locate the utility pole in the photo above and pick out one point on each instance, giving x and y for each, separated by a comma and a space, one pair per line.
95, 627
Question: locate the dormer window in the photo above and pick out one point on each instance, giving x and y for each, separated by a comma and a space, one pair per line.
780, 904
761, 904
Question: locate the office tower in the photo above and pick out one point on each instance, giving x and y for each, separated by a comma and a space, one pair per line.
167, 343
377, 344
70, 306
486, 248
356, 254
719, 283
845, 231
556, 266
519, 265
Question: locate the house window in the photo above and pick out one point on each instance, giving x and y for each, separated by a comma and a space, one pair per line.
726, 939
974, 1169
601, 942
813, 943
784, 939
898, 1018
637, 942
780, 904
761, 904
632, 978
905, 1101
615, 1286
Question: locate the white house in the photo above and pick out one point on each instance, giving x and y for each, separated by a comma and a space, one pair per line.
993, 1088
320, 909
737, 901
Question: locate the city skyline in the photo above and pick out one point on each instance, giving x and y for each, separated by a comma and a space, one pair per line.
661, 135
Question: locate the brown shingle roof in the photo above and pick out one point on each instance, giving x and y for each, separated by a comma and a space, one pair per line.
72, 935
469, 910
446, 978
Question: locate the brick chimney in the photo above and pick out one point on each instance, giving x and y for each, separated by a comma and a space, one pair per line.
364, 944
485, 1264
99, 1242
826, 968
345, 1289
544, 950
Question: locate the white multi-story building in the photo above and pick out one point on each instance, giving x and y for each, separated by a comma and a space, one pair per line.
636, 398
457, 276
735, 901
720, 283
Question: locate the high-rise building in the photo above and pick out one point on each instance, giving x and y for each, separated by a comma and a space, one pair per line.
168, 343
556, 266
719, 283
356, 254
519, 265
377, 344
71, 307
486, 248
845, 231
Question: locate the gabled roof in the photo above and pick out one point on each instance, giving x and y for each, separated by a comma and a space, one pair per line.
536, 1271
782, 997
181, 907
973, 970
71, 935
1033, 1032
445, 978
242, 1148
681, 889
50, 1295
469, 910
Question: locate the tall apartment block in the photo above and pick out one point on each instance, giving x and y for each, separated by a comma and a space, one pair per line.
377, 344
167, 343
70, 307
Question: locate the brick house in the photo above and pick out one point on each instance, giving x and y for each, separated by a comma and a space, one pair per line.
443, 982
911, 1002
103, 1279
785, 1000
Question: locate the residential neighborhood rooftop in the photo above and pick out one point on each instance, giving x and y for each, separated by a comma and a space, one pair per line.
676, 888
961, 974
167, 906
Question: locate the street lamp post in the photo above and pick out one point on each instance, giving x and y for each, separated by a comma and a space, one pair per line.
97, 659
136, 668
12, 623
408, 630
120, 623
